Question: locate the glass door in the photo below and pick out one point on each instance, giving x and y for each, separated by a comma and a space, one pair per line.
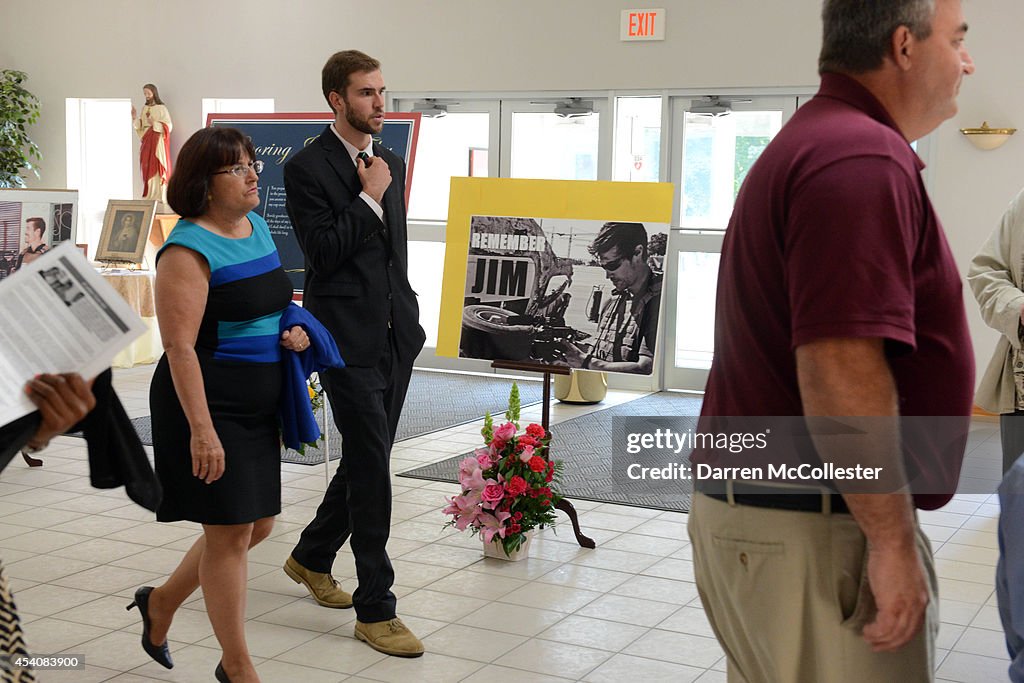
557, 139
457, 138
688, 334
715, 141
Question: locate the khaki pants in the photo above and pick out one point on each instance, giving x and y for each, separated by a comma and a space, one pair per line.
787, 596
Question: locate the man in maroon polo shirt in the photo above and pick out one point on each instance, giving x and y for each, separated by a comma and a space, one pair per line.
838, 296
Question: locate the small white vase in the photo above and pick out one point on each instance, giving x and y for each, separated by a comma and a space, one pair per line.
497, 551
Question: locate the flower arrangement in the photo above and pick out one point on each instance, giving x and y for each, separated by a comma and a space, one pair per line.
316, 402
509, 484
316, 392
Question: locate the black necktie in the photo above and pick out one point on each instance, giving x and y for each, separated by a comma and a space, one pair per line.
366, 162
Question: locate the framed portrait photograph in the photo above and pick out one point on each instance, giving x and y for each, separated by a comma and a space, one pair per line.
126, 227
32, 222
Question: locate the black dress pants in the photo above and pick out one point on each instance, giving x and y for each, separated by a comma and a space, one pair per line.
366, 402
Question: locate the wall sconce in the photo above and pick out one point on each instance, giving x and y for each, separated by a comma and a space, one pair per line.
988, 138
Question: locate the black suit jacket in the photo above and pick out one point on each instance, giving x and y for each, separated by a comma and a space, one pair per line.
357, 269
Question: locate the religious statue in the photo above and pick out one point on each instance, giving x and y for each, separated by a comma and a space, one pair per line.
153, 126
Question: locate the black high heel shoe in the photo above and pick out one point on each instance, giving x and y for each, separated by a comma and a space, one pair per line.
160, 653
221, 675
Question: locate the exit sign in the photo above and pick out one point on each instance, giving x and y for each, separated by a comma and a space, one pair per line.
642, 24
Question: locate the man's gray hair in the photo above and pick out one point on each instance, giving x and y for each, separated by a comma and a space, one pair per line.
857, 34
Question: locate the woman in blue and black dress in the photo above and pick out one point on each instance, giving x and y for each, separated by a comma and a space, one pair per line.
220, 291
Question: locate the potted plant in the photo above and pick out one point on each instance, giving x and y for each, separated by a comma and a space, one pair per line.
18, 109
509, 485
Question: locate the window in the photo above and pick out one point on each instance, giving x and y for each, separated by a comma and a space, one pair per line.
426, 268
718, 151
456, 144
555, 147
99, 159
715, 143
637, 139
696, 285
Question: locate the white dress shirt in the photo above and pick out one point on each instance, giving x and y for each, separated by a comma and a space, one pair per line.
353, 152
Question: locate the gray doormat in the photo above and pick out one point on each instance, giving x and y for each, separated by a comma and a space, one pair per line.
435, 401
584, 445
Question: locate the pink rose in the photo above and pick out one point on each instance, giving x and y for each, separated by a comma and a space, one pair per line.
505, 431
526, 454
493, 493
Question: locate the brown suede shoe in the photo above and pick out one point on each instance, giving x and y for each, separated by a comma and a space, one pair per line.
324, 589
391, 637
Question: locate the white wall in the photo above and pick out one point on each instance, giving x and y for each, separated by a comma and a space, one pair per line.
971, 188
193, 49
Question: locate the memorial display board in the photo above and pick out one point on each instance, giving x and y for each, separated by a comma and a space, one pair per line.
555, 272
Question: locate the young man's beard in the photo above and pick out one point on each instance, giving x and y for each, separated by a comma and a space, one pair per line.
361, 125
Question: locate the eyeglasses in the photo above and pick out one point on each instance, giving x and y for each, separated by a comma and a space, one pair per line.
613, 265
242, 170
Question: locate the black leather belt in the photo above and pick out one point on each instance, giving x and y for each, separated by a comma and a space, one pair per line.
775, 497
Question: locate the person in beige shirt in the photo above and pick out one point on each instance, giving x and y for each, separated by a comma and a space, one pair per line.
996, 277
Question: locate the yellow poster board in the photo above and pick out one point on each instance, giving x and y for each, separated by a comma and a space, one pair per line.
580, 199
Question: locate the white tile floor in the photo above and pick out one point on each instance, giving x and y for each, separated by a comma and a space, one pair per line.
625, 611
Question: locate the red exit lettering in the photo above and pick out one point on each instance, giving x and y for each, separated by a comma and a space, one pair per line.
641, 24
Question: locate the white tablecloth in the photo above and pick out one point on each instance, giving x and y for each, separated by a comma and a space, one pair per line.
136, 287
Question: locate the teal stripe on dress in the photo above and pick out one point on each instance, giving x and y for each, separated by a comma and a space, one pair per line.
267, 325
221, 252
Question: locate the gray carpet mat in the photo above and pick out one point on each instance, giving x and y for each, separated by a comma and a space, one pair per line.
584, 445
435, 401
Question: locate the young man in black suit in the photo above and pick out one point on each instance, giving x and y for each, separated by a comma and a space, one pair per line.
346, 201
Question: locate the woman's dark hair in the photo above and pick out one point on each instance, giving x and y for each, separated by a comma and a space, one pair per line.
206, 151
